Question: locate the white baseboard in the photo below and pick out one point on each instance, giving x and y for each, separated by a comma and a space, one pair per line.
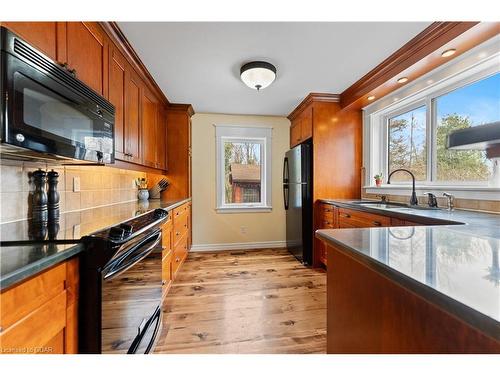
238, 246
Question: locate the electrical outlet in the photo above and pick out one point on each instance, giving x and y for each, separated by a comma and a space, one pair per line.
243, 230
76, 184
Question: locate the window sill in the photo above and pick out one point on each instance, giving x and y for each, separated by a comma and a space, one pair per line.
242, 210
462, 192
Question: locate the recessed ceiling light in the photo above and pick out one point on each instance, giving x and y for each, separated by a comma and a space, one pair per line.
449, 52
371, 97
258, 74
402, 79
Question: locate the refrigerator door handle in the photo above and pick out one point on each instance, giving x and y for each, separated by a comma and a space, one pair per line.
285, 171
285, 196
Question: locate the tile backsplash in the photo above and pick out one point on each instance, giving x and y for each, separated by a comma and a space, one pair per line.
99, 186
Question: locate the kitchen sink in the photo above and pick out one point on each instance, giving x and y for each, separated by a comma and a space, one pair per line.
393, 205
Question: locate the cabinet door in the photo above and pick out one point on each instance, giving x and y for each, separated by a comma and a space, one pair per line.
87, 54
133, 98
41, 35
117, 80
161, 129
295, 133
306, 124
149, 129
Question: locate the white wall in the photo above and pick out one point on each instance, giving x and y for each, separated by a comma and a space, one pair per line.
212, 230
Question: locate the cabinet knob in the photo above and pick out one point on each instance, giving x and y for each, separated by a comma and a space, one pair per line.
177, 233
346, 215
177, 260
163, 282
377, 223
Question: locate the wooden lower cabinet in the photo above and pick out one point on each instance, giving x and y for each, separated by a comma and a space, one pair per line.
368, 313
40, 315
176, 242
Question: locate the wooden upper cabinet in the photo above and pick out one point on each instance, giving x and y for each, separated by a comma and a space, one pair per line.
295, 133
133, 103
86, 53
149, 129
117, 83
161, 151
41, 35
306, 124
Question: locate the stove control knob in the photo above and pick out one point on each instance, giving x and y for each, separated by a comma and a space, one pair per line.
159, 213
116, 233
127, 228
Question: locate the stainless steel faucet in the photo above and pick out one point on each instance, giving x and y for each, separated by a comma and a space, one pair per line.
413, 199
431, 200
451, 200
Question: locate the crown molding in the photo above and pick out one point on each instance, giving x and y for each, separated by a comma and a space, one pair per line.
181, 108
429, 40
313, 97
116, 34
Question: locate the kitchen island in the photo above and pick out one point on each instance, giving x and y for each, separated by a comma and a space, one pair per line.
414, 289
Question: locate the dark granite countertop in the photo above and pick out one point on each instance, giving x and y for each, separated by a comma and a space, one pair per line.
456, 267
20, 261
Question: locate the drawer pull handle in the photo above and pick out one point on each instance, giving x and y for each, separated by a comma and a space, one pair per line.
377, 223
177, 233
346, 215
327, 222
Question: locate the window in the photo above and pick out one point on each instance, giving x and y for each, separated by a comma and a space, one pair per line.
407, 144
243, 168
468, 106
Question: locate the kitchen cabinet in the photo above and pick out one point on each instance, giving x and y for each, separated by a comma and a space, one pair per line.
179, 151
161, 129
98, 55
132, 128
42, 35
181, 235
368, 312
326, 218
87, 54
149, 129
167, 252
348, 218
301, 127
40, 315
117, 83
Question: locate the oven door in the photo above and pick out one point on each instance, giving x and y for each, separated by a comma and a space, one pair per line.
131, 297
46, 115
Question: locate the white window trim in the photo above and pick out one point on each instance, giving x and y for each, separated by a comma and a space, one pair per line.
478, 63
260, 134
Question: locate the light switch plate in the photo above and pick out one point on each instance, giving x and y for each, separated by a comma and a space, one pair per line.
76, 184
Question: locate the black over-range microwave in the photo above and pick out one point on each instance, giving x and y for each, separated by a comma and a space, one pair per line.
46, 112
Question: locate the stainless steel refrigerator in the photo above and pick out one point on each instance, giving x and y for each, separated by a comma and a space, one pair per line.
297, 196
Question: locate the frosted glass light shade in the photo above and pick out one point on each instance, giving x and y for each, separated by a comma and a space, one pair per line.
258, 74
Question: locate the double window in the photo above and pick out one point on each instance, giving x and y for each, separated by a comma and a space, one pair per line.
413, 136
243, 168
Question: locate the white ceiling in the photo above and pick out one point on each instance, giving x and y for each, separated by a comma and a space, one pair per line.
199, 63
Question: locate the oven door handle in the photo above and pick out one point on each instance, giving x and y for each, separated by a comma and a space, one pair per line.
133, 256
138, 339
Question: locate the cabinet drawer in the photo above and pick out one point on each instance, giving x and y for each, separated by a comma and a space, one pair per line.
356, 219
21, 300
178, 211
180, 253
41, 331
326, 216
181, 226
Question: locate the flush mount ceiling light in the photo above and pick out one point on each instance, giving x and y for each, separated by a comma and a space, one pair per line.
403, 80
448, 52
258, 74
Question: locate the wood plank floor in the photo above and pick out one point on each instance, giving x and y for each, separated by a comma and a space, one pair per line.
255, 301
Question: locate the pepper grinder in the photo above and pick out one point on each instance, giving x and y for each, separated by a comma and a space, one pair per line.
53, 196
40, 213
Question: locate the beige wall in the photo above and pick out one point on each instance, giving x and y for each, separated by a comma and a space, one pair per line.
99, 186
212, 228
